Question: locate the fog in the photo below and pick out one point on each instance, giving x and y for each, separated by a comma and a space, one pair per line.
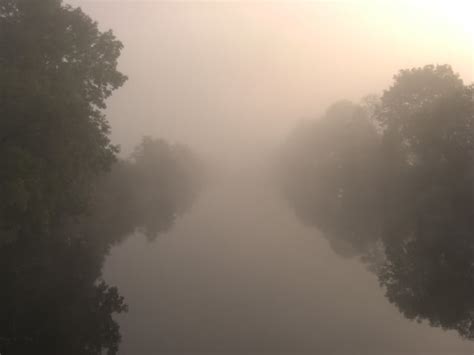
251, 263
239, 273
229, 78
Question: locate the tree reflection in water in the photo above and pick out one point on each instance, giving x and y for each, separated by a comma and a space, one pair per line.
392, 181
53, 298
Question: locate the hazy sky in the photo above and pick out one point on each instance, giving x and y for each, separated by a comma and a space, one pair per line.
223, 76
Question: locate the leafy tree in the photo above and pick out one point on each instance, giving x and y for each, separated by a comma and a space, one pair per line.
65, 199
428, 116
146, 192
56, 70
404, 193
54, 301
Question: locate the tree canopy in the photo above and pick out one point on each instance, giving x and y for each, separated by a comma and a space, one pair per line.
144, 193
54, 300
393, 183
66, 198
56, 71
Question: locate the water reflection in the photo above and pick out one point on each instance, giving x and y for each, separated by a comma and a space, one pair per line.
397, 192
53, 301
53, 298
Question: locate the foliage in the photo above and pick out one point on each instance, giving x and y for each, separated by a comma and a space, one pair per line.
53, 301
56, 70
397, 188
144, 193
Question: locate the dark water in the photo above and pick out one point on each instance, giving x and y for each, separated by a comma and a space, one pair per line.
240, 274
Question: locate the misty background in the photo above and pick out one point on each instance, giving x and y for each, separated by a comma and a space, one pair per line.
217, 262
232, 78
239, 273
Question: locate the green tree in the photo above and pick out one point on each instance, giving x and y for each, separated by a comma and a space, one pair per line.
65, 198
56, 71
428, 117
399, 190
53, 299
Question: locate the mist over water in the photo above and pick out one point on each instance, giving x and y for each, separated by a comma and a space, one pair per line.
262, 213
240, 274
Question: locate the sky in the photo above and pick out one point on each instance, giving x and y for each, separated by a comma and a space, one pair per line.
231, 78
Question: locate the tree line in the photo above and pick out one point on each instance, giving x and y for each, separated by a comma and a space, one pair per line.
391, 180
65, 195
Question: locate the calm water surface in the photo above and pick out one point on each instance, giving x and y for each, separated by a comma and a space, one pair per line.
240, 274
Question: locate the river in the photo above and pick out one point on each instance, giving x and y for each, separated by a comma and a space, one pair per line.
239, 274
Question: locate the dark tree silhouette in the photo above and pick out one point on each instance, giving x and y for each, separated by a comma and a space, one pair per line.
64, 198
398, 189
56, 70
428, 117
53, 299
